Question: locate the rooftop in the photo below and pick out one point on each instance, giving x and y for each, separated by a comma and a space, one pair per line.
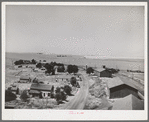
41, 87
113, 82
129, 102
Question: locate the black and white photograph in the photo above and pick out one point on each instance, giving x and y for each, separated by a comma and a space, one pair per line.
74, 59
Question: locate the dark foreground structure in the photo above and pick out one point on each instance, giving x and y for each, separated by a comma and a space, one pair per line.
122, 91
129, 102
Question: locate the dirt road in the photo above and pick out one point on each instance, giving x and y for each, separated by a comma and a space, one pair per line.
80, 99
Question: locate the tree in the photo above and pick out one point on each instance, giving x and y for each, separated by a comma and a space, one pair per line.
89, 70
57, 89
73, 81
72, 69
60, 95
19, 62
9, 95
33, 61
50, 68
24, 95
77, 85
75, 69
17, 92
39, 65
69, 68
67, 89
60, 69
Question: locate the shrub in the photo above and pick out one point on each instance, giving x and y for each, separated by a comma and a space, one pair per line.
67, 89
89, 70
73, 81
39, 65
9, 95
24, 95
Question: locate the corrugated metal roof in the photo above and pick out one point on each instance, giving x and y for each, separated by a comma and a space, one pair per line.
129, 102
41, 87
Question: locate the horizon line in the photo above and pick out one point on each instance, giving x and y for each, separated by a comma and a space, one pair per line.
85, 56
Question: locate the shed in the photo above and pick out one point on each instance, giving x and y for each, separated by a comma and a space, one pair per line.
25, 79
106, 73
129, 102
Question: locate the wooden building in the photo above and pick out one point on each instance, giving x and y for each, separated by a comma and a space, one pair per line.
24, 79
106, 73
44, 90
122, 91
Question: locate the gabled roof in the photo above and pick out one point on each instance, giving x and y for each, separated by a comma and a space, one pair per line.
105, 70
64, 77
116, 81
41, 87
34, 92
130, 83
100, 69
129, 102
13, 88
24, 77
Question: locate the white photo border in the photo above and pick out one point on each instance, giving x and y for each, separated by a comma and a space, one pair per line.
66, 114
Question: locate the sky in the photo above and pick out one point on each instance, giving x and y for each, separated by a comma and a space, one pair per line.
77, 30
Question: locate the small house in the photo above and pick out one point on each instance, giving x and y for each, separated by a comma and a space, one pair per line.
44, 90
24, 79
106, 73
129, 102
14, 89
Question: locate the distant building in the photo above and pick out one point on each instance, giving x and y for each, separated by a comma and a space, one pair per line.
24, 79
106, 73
15, 89
26, 62
38, 89
129, 102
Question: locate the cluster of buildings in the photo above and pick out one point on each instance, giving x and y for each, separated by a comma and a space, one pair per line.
125, 95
